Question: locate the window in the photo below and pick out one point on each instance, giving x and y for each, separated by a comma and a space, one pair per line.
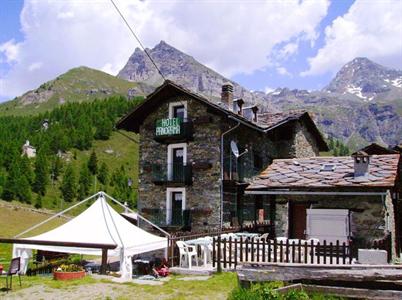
178, 110
175, 205
177, 159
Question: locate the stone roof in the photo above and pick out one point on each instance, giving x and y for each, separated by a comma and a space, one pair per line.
268, 120
308, 173
377, 149
265, 121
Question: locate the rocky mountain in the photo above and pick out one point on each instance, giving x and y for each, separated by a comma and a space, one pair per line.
362, 104
184, 70
367, 80
76, 85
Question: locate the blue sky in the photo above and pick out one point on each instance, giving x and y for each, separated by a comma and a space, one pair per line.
260, 44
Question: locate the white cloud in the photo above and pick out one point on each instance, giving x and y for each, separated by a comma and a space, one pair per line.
65, 15
35, 66
371, 29
10, 50
288, 50
231, 37
283, 71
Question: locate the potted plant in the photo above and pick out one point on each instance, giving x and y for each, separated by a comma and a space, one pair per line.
68, 272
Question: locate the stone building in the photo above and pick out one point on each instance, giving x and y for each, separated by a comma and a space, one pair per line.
28, 150
196, 157
350, 199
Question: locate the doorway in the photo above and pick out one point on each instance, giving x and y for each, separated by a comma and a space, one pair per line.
297, 220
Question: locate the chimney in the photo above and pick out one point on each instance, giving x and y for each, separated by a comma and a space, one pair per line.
255, 111
238, 106
361, 164
227, 95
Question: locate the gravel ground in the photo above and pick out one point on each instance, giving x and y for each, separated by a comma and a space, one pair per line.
112, 290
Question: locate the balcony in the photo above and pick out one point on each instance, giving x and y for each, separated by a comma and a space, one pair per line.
173, 174
168, 218
240, 171
173, 130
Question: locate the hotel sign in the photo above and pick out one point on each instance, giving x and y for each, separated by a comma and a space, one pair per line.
168, 126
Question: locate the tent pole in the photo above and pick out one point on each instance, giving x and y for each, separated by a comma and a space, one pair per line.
104, 261
55, 216
139, 216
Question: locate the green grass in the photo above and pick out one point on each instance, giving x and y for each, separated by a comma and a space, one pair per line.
216, 287
14, 221
72, 86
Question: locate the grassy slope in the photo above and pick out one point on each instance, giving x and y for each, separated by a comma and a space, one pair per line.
72, 86
14, 221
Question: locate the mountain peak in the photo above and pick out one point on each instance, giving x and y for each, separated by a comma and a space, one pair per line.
364, 79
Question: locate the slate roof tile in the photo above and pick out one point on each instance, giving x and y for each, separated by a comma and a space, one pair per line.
306, 173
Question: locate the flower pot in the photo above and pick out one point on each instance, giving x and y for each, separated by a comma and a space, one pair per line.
59, 275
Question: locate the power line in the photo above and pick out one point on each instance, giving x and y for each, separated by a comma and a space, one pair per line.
141, 45
138, 40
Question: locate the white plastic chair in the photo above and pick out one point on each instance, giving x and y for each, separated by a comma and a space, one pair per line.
189, 252
261, 238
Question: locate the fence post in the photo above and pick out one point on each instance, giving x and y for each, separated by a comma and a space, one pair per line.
213, 252
351, 252
219, 266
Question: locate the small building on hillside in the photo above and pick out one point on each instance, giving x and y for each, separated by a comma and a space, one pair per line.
196, 157
350, 199
28, 150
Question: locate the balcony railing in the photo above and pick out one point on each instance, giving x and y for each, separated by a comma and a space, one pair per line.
175, 173
239, 171
173, 129
170, 217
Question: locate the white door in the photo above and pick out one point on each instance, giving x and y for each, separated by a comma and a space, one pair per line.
328, 224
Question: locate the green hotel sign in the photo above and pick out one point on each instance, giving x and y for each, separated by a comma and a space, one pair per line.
168, 126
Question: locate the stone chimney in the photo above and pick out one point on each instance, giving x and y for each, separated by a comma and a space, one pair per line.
255, 111
361, 164
227, 95
238, 106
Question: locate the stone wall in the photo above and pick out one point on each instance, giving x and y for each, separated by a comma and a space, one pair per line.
302, 144
203, 196
389, 220
368, 214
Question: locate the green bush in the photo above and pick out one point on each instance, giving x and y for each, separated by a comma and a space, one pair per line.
267, 291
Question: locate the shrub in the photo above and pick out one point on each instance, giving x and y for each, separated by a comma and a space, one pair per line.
267, 291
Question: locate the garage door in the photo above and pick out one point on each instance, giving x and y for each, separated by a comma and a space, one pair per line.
328, 224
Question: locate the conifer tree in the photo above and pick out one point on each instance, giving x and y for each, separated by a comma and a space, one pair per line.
103, 174
93, 163
41, 174
23, 190
84, 182
11, 183
26, 169
68, 186
57, 167
38, 202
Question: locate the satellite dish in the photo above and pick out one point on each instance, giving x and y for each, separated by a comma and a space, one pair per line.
234, 148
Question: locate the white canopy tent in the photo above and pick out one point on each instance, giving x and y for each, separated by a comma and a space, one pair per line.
99, 224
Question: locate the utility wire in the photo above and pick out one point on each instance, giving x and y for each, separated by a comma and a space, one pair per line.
138, 40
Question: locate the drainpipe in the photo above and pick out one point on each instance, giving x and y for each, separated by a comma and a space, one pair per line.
222, 136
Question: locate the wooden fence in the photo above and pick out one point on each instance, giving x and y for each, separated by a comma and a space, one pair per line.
230, 252
173, 253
